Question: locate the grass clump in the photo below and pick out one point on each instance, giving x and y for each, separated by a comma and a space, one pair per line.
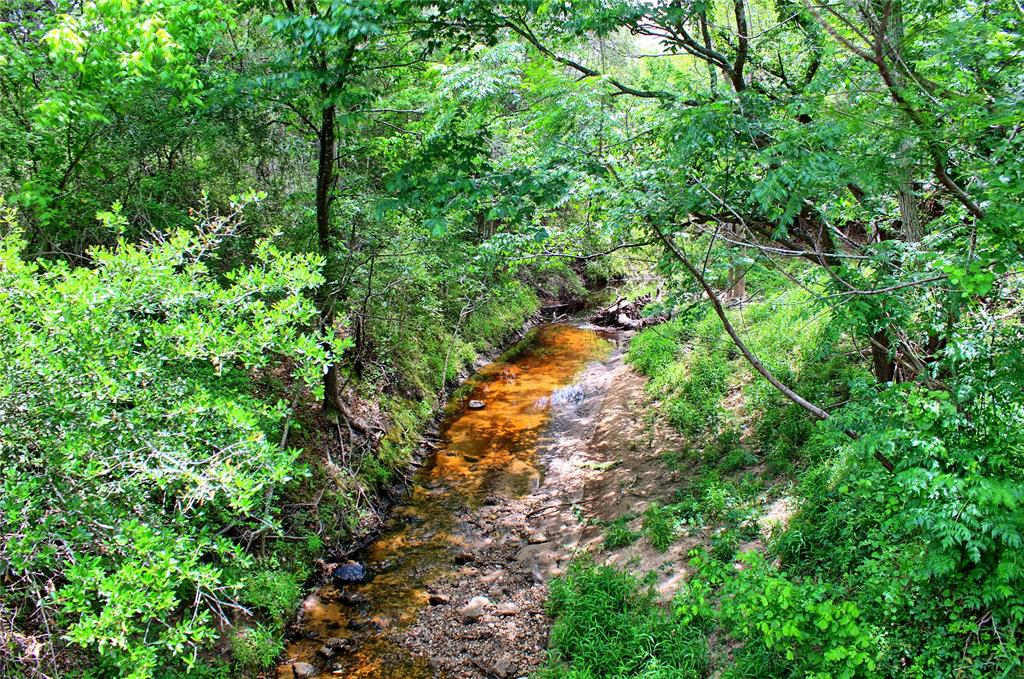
659, 525
257, 647
608, 625
273, 591
618, 534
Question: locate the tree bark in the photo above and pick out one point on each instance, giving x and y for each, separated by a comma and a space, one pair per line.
885, 368
326, 140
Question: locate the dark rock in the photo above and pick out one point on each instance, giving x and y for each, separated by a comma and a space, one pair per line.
463, 558
303, 670
476, 405
351, 572
439, 600
353, 598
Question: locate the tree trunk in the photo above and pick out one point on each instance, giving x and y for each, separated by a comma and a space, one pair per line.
737, 278
324, 180
909, 217
884, 366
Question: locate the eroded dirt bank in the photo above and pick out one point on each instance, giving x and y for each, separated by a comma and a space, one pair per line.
455, 586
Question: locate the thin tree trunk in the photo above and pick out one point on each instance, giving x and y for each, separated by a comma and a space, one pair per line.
909, 216
885, 367
324, 180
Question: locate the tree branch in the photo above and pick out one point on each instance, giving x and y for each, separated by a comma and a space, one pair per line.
754, 361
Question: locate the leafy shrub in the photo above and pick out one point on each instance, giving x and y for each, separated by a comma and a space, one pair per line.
607, 625
129, 441
724, 544
786, 628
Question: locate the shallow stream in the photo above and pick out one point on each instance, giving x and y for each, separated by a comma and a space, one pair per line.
483, 454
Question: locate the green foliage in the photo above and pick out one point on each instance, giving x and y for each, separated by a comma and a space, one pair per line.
130, 443
272, 590
795, 629
724, 544
659, 526
870, 201
74, 73
607, 625
691, 382
257, 647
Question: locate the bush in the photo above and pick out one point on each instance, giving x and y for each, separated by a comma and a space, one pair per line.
130, 443
659, 525
724, 544
618, 534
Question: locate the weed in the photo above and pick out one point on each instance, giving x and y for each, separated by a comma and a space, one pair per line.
256, 648
659, 525
608, 625
724, 544
273, 591
618, 534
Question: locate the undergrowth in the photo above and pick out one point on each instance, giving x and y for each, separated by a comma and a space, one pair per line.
876, 573
608, 625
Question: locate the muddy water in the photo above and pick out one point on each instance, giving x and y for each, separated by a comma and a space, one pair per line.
484, 453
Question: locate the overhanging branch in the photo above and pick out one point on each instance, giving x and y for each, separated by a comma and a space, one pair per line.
754, 361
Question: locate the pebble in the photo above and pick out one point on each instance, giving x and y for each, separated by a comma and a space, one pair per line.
504, 668
474, 610
507, 608
491, 578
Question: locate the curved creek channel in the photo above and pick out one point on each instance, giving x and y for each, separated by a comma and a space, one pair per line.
485, 457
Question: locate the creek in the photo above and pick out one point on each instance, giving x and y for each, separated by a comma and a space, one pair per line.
485, 456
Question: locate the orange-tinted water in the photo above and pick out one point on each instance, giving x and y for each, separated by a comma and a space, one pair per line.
485, 452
